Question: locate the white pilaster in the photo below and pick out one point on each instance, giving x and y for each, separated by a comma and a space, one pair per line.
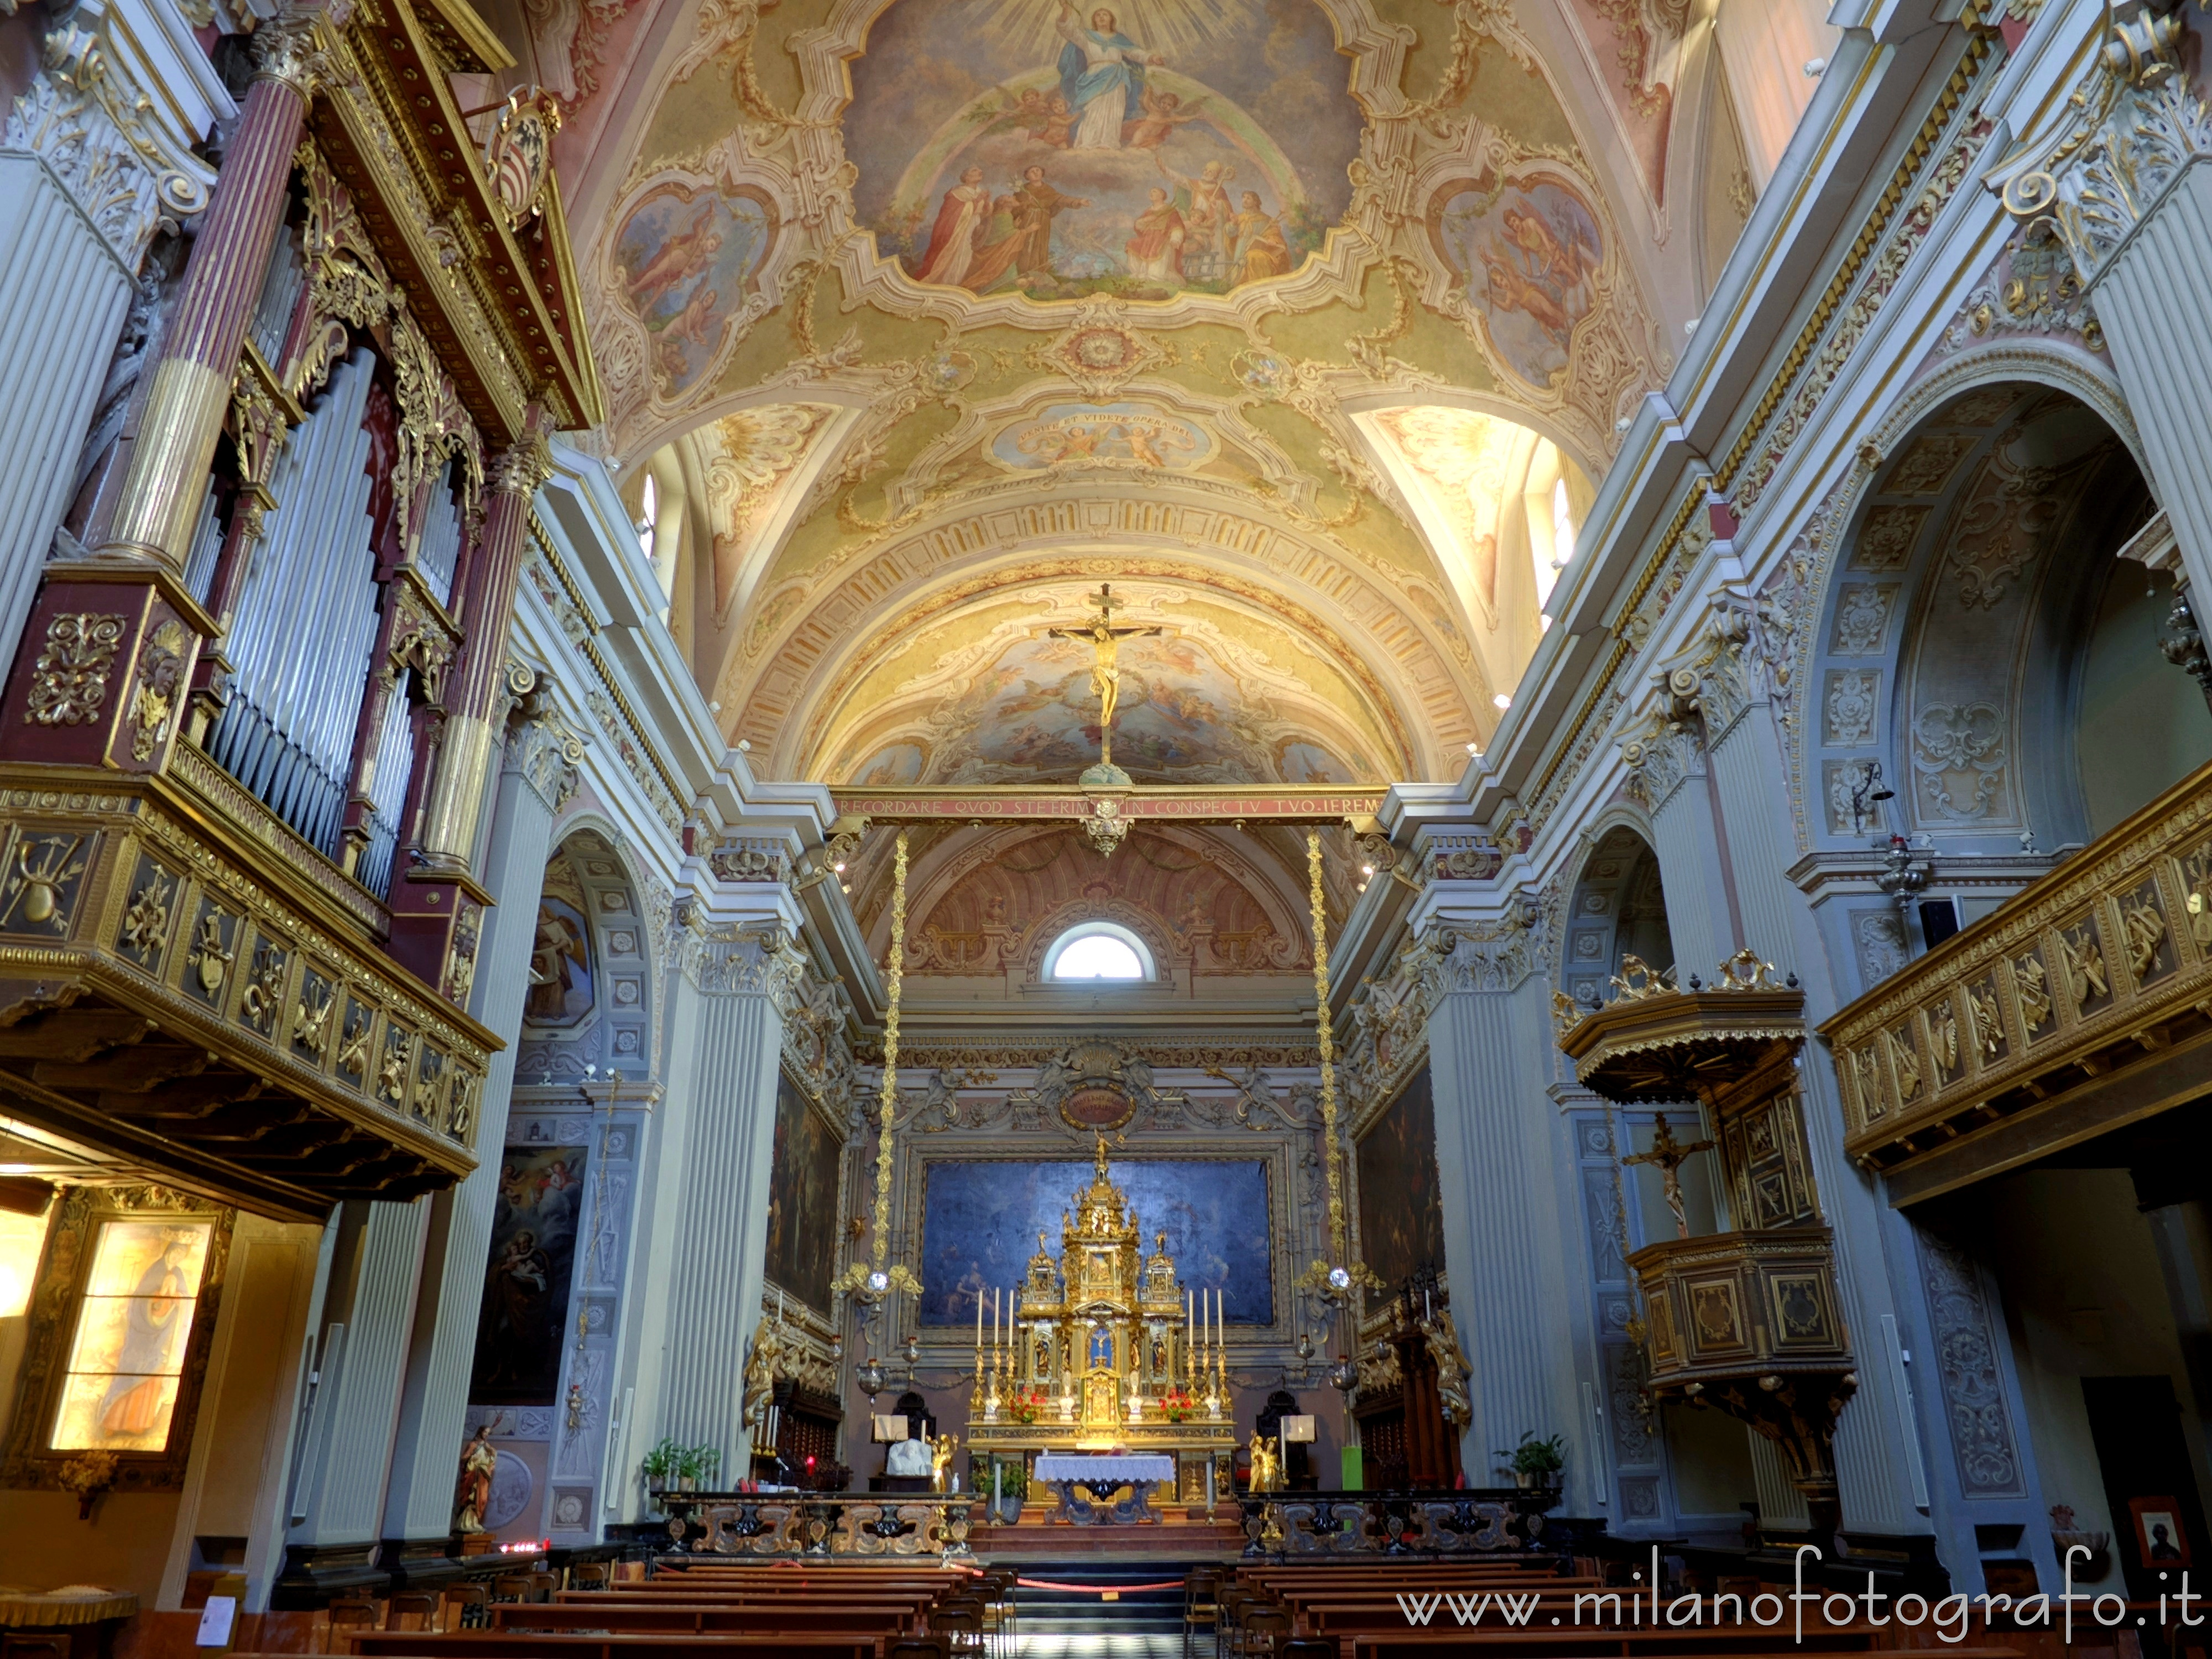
79, 203
1489, 1037
704, 1225
537, 779
367, 1319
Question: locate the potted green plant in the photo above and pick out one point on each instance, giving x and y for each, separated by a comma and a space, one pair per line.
708, 1461
1536, 1463
687, 1468
659, 1466
1009, 1485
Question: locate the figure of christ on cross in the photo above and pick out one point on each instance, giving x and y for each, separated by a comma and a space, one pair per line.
1667, 1155
1105, 668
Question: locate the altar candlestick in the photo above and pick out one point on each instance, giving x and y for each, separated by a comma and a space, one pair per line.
979, 1322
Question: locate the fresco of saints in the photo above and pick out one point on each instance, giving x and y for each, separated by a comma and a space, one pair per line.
1560, 267
560, 965
998, 244
1208, 219
1102, 76
1037, 205
516, 1299
1261, 249
1156, 250
952, 239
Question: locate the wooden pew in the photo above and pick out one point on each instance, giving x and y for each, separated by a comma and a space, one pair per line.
1426, 1643
826, 1618
553, 1645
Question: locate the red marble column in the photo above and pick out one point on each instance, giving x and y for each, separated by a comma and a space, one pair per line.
433, 892
190, 390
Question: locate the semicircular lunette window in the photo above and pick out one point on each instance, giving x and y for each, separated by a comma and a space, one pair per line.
1099, 950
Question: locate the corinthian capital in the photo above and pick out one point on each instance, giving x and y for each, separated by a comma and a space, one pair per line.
2117, 148
289, 50
527, 463
91, 121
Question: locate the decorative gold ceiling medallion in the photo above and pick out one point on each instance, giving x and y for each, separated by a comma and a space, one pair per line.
1100, 354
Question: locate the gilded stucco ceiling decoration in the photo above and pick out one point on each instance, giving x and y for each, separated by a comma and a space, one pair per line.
994, 692
746, 460
1025, 290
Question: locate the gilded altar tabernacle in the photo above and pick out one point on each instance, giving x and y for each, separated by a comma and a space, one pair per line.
1105, 1351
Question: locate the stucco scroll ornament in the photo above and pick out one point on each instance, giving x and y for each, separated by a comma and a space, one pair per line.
1657, 759
547, 750
2128, 134
93, 128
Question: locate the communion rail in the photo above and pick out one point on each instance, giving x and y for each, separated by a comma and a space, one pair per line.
1491, 1521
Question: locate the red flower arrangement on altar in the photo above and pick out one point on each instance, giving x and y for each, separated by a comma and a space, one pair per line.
1026, 1404
1177, 1407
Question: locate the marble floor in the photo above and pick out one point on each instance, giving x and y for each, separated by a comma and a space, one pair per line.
1110, 1647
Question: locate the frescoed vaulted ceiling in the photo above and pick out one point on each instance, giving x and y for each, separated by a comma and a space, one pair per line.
1308, 323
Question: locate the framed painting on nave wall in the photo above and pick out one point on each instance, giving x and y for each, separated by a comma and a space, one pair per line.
532, 1259
1402, 1220
802, 1199
981, 1219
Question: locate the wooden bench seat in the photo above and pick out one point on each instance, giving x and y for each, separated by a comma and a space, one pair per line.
559, 1644
827, 1617
1750, 1642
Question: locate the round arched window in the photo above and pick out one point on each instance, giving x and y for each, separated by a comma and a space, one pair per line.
1098, 950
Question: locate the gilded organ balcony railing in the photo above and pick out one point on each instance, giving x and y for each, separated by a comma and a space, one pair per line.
2083, 1001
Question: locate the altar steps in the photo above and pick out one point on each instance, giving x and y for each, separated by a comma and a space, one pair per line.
1175, 1541
1072, 1605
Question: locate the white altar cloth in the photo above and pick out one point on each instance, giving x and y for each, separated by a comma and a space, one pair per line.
1086, 1468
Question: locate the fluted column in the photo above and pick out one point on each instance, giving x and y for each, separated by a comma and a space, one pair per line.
474, 689
705, 1222
2118, 168
1488, 1043
79, 205
367, 1319
190, 393
538, 779
1669, 773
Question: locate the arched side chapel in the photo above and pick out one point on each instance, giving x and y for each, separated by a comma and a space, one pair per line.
1487, 735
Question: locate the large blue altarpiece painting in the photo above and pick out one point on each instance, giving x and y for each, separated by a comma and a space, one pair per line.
981, 1219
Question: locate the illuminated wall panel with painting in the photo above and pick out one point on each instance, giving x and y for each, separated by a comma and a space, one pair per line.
122, 1308
127, 1355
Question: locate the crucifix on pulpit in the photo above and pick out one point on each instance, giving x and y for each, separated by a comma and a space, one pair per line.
1105, 641
1667, 1155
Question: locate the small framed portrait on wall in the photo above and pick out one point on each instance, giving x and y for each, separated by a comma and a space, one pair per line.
2160, 1539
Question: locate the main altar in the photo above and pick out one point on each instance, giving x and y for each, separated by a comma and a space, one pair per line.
1106, 1351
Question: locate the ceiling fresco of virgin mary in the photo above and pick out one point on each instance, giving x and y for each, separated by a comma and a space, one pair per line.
1140, 149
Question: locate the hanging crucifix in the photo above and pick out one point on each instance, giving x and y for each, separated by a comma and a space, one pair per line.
1667, 1155
1105, 641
